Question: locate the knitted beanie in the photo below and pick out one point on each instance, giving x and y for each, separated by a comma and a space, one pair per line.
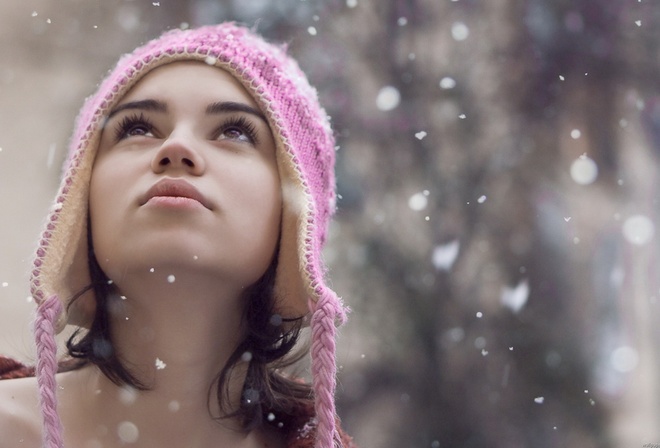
305, 160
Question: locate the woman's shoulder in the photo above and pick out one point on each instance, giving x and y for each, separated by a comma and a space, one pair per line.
20, 420
20, 423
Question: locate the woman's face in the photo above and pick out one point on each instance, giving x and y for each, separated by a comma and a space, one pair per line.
186, 178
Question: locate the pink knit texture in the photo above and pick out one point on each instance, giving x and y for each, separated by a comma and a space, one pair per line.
306, 156
324, 366
44, 332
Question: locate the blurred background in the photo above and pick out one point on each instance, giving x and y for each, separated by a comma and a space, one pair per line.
498, 171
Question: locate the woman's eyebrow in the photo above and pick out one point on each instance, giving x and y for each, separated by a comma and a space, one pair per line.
148, 105
231, 106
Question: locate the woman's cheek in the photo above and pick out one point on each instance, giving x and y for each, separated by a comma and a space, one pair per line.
105, 216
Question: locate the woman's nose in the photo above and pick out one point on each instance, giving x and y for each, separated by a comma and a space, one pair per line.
178, 153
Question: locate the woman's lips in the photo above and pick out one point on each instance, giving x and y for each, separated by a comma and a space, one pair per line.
175, 193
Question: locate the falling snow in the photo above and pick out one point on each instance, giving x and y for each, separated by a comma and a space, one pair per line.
128, 432
160, 365
276, 320
459, 31
50, 159
420, 135
584, 170
515, 297
539, 400
418, 201
447, 83
388, 98
624, 359
445, 255
171, 279
127, 395
638, 230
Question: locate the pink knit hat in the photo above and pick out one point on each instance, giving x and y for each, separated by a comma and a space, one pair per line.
305, 158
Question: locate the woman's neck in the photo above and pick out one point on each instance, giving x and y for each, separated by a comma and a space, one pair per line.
175, 337
175, 329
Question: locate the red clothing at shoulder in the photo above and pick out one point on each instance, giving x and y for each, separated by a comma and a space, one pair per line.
301, 434
10, 368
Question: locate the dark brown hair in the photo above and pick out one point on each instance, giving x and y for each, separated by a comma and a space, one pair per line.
268, 347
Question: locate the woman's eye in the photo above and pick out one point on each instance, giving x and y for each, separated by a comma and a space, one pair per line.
238, 129
235, 134
134, 126
138, 130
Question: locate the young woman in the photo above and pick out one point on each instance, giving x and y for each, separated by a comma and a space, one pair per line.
185, 243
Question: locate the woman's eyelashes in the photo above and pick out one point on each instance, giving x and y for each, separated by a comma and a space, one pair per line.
239, 129
134, 126
235, 128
